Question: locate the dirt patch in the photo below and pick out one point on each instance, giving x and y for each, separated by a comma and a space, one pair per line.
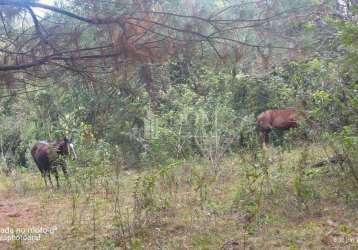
16, 209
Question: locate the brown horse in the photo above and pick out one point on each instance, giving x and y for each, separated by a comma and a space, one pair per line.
282, 119
49, 155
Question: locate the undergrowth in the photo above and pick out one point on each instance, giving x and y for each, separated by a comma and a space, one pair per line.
263, 200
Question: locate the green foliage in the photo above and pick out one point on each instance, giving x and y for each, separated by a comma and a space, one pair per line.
201, 110
345, 147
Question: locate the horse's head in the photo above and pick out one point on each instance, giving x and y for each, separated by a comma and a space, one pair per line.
66, 147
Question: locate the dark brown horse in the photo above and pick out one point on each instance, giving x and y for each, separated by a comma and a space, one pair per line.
49, 155
282, 119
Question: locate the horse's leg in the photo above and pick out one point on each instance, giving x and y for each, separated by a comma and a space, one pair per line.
43, 173
56, 176
49, 177
265, 138
261, 138
64, 169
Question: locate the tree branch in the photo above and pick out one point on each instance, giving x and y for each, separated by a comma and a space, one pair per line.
27, 4
55, 57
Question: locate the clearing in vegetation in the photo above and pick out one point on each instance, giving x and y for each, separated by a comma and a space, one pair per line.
276, 201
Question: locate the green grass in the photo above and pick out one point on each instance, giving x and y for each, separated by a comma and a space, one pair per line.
262, 203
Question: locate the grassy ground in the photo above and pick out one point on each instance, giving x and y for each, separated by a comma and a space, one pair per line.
271, 200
